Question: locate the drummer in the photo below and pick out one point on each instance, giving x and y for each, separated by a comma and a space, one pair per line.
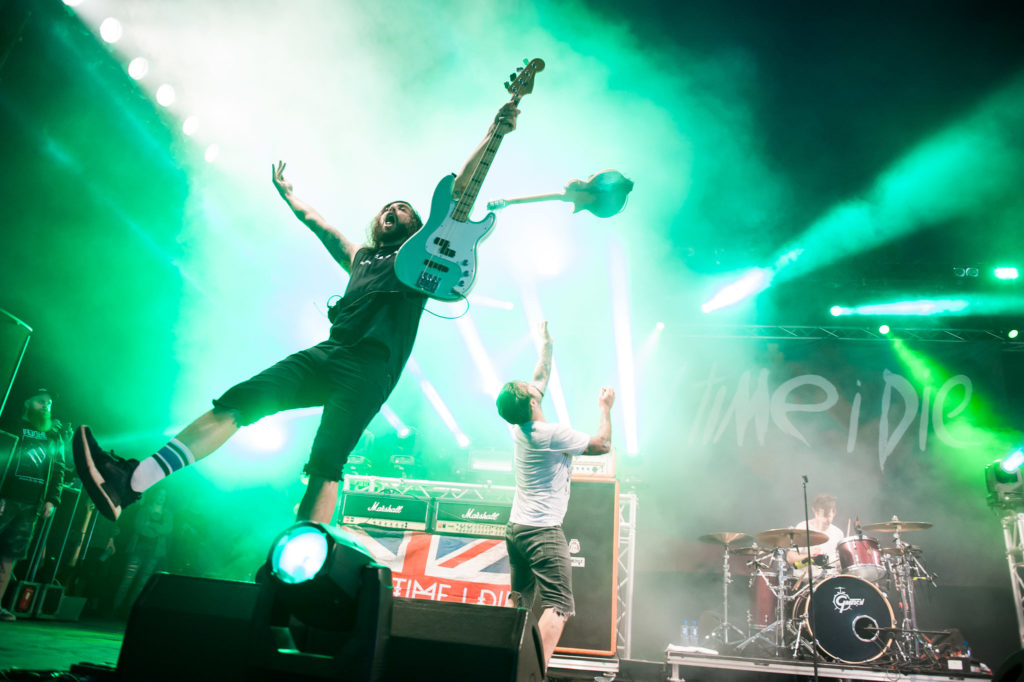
824, 508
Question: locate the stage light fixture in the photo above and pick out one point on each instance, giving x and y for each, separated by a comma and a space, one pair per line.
111, 30
1012, 334
190, 125
165, 95
317, 571
138, 68
835, 311
1006, 273
323, 609
1005, 482
965, 271
884, 329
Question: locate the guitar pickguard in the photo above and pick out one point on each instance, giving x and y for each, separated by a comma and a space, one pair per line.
440, 260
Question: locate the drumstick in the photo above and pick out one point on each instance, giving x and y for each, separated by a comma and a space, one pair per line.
847, 527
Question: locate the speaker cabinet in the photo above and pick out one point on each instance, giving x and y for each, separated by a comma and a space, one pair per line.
451, 641
184, 628
591, 527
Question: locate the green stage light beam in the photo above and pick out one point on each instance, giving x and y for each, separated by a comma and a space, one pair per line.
962, 170
922, 307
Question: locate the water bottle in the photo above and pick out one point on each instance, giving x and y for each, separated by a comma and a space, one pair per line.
694, 633
965, 650
684, 634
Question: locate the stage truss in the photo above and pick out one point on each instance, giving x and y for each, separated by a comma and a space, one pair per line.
778, 332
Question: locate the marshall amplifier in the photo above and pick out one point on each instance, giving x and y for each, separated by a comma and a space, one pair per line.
471, 518
396, 512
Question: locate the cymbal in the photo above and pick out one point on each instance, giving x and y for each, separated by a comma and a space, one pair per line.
790, 537
724, 538
896, 526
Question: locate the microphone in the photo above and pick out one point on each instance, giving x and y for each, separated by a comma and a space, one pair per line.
804, 478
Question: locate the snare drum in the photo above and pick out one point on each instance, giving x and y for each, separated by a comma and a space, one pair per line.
859, 555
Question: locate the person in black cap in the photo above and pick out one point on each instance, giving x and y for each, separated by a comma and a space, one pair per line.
32, 484
350, 374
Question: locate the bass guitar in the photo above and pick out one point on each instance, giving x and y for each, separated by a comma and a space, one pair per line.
439, 260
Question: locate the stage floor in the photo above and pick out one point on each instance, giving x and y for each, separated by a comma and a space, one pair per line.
691, 667
56, 645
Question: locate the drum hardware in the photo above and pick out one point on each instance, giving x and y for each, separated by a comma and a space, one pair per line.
725, 539
905, 568
768, 585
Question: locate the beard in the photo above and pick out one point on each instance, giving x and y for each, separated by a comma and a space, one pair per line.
397, 235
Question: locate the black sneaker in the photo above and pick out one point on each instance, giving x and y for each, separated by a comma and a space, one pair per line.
106, 477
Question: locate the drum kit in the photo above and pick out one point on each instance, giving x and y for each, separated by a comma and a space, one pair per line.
847, 615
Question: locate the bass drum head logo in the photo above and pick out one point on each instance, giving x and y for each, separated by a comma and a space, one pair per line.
574, 546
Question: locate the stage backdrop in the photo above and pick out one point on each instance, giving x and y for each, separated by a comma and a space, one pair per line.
888, 427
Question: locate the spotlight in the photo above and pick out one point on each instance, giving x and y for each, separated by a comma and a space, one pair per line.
317, 572
190, 125
324, 607
965, 271
138, 68
111, 30
836, 311
1006, 273
884, 329
1004, 482
1012, 334
165, 95
211, 153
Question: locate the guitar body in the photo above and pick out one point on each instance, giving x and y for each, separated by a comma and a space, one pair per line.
439, 260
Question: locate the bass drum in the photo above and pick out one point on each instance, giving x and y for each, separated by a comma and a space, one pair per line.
853, 621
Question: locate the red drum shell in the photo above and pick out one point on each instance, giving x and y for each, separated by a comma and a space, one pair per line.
763, 602
859, 555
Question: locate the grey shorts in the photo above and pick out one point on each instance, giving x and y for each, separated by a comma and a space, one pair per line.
539, 559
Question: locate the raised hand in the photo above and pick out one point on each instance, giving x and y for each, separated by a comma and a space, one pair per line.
284, 188
505, 120
607, 397
545, 335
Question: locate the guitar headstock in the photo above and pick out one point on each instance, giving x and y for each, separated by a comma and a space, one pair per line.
520, 83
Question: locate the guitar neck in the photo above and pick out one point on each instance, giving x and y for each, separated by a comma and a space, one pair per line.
468, 198
555, 196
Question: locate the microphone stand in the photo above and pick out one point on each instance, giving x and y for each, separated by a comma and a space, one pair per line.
810, 578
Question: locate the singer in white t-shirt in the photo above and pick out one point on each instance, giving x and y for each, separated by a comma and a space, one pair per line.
537, 550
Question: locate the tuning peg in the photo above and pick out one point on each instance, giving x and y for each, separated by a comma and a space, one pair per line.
511, 76
507, 85
526, 62
519, 69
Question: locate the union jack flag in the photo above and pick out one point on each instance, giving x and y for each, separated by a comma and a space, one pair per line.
440, 567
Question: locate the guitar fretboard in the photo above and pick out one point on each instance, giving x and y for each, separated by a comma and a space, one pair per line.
468, 198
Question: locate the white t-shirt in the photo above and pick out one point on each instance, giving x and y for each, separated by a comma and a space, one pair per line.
830, 548
543, 466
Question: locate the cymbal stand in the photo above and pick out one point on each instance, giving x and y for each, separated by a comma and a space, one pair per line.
778, 643
722, 631
907, 568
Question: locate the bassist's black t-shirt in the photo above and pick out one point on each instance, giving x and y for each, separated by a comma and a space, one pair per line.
376, 306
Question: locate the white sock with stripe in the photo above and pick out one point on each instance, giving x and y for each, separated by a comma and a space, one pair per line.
161, 464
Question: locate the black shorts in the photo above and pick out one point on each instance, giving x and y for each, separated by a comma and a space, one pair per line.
539, 559
17, 522
350, 382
